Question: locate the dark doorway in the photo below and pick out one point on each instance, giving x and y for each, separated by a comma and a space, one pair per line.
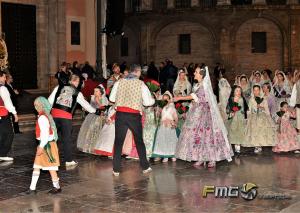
19, 28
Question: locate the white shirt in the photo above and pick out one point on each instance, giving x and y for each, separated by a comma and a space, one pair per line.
45, 136
80, 99
148, 100
7, 101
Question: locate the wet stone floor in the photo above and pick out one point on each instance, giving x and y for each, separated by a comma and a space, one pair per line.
171, 187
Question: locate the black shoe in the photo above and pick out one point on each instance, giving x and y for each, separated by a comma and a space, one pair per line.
54, 191
30, 192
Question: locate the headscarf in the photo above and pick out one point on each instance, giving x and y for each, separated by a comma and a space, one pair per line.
188, 85
170, 95
286, 85
46, 108
285, 80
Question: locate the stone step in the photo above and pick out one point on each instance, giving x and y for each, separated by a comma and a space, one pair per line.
27, 121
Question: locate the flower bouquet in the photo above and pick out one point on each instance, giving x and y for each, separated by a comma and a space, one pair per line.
153, 86
258, 100
161, 103
235, 107
181, 109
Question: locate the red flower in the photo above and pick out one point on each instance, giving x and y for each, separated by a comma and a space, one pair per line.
235, 109
183, 108
155, 83
178, 105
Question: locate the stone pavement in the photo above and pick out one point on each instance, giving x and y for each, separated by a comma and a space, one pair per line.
171, 187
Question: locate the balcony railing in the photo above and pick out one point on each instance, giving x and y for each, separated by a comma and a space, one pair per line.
276, 2
208, 3
161, 5
183, 3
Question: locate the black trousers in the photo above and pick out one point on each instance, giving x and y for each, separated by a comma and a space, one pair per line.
15, 124
125, 121
6, 136
64, 127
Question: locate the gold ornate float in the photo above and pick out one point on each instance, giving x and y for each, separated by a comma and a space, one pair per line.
3, 55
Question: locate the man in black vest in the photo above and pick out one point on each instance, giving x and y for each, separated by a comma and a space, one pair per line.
63, 100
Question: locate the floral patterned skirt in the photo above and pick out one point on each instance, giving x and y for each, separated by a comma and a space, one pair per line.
199, 140
287, 138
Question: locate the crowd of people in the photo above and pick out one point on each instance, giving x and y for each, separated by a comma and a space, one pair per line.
164, 113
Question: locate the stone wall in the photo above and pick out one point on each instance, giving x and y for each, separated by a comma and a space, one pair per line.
220, 34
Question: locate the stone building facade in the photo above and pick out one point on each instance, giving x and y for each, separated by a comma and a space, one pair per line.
53, 34
219, 30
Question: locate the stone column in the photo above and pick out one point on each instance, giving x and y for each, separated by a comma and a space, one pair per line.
171, 4
195, 3
146, 5
42, 45
90, 34
259, 2
144, 44
52, 37
61, 31
292, 2
224, 2
127, 6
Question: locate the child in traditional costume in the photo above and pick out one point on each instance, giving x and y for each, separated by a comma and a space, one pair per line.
166, 137
287, 134
47, 157
261, 129
237, 118
93, 123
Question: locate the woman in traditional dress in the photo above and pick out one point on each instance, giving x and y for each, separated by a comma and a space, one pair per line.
105, 143
261, 129
270, 98
204, 136
237, 109
246, 87
182, 87
224, 93
287, 134
150, 124
282, 89
93, 123
47, 157
166, 137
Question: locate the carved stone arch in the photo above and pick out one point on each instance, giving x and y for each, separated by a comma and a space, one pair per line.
273, 19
